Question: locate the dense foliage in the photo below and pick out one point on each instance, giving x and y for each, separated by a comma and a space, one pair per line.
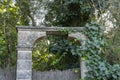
98, 67
8, 19
112, 38
112, 49
72, 12
55, 54
103, 58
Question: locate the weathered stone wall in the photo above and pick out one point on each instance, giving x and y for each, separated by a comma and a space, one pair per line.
8, 74
56, 75
46, 75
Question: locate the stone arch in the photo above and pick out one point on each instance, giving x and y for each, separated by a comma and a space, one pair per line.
27, 35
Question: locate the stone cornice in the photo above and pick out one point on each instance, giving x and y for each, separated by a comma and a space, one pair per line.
42, 28
24, 48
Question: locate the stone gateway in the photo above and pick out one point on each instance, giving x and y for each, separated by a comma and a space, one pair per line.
27, 35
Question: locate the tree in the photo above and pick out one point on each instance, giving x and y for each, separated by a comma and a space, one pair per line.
8, 19
73, 12
112, 50
26, 9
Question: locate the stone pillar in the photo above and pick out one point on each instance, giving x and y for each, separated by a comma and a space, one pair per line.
83, 69
24, 64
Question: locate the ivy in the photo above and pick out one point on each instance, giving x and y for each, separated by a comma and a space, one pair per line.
97, 65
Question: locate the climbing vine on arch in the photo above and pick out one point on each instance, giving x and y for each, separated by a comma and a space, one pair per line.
97, 65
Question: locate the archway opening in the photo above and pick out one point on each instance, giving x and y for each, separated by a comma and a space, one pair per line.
54, 52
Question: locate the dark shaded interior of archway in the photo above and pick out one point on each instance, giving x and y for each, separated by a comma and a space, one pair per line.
54, 53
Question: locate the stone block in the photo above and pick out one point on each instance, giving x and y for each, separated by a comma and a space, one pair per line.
27, 55
24, 74
83, 69
24, 64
